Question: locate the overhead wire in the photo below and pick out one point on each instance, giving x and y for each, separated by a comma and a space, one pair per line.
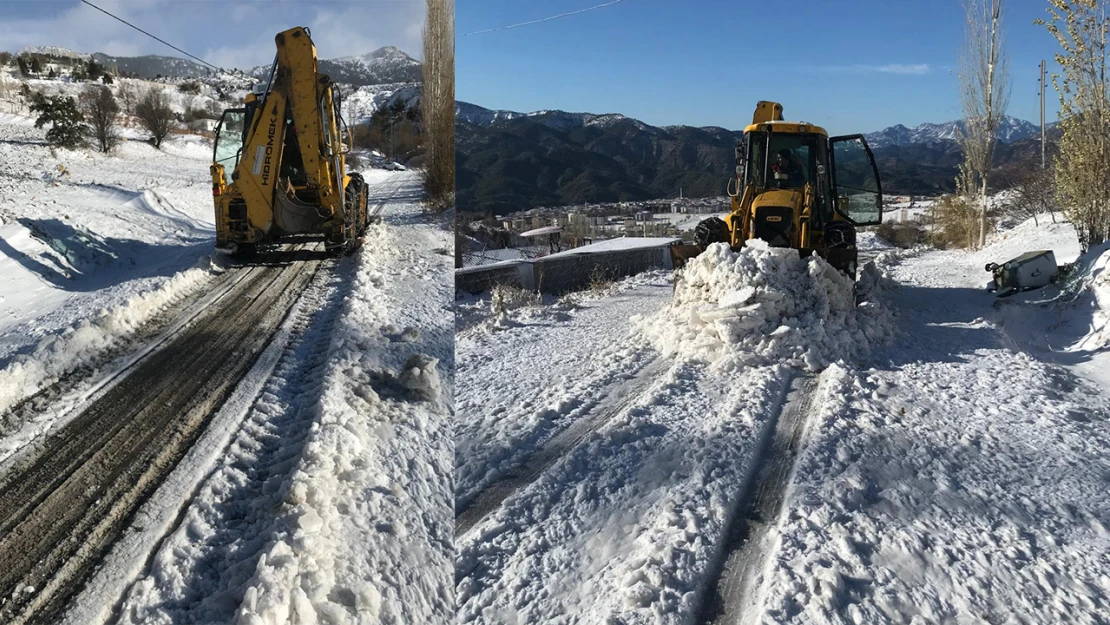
544, 19
156, 38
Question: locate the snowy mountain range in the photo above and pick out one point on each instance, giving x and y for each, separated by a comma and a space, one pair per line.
383, 66
1010, 130
552, 158
387, 65
555, 119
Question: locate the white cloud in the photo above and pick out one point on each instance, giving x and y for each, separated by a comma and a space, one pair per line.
914, 69
241, 35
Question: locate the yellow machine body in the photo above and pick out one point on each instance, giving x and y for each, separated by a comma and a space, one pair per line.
279, 165
796, 187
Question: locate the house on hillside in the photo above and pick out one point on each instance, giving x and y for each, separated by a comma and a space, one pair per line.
203, 125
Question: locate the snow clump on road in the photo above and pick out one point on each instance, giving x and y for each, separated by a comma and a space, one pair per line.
761, 305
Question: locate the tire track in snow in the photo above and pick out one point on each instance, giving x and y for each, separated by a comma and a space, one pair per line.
212, 544
47, 408
63, 506
619, 398
732, 595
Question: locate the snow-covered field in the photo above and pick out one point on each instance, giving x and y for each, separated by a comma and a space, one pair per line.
953, 469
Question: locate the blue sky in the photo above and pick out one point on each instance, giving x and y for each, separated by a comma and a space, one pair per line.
848, 65
227, 33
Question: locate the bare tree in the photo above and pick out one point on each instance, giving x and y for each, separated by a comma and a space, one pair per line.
128, 96
155, 115
100, 109
985, 94
438, 103
1082, 28
1032, 192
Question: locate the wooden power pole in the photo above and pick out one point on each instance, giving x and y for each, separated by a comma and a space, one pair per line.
1042, 82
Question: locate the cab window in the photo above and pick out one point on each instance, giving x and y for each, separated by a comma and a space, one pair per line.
789, 162
229, 140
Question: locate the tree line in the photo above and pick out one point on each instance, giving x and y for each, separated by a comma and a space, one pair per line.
1077, 180
93, 115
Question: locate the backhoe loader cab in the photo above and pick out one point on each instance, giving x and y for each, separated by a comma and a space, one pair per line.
279, 164
796, 187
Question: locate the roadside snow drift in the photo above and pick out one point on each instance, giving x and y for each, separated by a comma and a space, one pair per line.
763, 305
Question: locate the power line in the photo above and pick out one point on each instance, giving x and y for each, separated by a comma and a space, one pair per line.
545, 19
153, 37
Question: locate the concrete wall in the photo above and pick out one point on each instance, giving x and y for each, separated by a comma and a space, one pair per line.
476, 280
563, 273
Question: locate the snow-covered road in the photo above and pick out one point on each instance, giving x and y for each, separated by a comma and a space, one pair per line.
324, 494
947, 475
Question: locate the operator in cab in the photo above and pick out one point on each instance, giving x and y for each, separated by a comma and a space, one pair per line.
785, 172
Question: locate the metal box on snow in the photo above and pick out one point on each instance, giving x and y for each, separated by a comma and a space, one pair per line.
1031, 270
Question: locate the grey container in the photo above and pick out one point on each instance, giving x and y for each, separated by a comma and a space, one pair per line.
1031, 270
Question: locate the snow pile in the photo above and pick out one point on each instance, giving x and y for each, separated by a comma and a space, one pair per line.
764, 305
1100, 286
364, 531
80, 344
1092, 279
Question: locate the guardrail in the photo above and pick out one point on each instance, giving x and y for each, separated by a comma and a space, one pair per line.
562, 273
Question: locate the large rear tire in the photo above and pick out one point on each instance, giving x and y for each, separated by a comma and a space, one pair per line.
354, 218
710, 231
840, 250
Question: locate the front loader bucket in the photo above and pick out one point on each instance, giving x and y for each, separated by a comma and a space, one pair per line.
682, 252
294, 216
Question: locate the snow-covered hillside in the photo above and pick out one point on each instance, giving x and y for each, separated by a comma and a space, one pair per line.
370, 80
55, 51
382, 66
84, 232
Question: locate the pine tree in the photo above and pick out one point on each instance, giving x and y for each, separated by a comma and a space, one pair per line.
67, 127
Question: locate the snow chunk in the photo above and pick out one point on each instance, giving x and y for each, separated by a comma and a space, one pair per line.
763, 305
420, 376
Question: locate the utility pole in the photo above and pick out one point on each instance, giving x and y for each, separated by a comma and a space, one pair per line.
1041, 80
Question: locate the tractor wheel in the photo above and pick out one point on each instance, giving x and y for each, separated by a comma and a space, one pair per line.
710, 231
353, 223
840, 250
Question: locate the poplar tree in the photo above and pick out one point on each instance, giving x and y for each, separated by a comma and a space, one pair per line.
1082, 166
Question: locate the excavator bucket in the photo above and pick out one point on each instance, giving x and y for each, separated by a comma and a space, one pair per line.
767, 112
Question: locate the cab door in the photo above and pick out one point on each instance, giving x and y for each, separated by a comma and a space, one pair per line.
228, 145
855, 178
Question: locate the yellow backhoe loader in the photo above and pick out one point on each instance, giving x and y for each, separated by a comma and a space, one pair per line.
278, 165
796, 187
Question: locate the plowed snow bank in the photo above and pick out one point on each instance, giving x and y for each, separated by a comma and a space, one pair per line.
762, 305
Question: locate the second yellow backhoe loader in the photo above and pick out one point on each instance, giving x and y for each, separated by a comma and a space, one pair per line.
796, 187
279, 167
